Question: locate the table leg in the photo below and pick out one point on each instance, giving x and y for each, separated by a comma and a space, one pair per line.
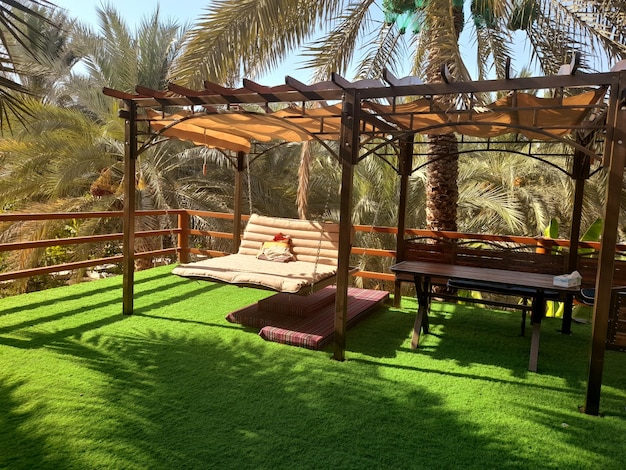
537, 312
422, 289
566, 325
534, 348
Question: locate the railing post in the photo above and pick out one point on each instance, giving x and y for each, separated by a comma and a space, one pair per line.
541, 246
183, 237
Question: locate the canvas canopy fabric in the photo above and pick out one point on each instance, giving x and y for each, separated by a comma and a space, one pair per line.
514, 113
518, 112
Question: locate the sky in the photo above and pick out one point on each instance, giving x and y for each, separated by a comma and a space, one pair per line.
133, 10
183, 11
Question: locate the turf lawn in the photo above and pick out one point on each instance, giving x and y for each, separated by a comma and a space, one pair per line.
176, 386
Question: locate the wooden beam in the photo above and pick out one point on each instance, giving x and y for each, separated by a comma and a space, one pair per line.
405, 165
239, 169
580, 174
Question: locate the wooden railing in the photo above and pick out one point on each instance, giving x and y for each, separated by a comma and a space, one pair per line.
182, 231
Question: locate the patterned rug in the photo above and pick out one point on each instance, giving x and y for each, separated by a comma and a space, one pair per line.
305, 321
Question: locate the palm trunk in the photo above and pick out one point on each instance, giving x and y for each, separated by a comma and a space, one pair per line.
441, 180
304, 179
443, 168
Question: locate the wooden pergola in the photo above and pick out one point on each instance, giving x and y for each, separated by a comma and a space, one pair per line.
587, 112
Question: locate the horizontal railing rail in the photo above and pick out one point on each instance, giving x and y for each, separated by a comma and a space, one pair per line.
182, 232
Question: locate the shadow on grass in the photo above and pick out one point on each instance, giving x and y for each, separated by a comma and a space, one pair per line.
471, 335
17, 433
176, 387
382, 333
198, 403
81, 292
92, 309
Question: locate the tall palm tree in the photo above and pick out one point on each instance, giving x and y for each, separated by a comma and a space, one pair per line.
251, 37
44, 69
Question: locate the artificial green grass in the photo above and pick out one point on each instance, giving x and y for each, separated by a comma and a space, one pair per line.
176, 386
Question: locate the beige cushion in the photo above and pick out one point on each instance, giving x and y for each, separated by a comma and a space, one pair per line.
306, 237
248, 270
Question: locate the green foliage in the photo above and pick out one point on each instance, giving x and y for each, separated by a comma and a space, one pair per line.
594, 232
552, 230
399, 6
483, 14
524, 14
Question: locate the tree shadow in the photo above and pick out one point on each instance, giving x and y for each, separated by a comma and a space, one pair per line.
93, 309
382, 333
52, 296
14, 429
174, 387
201, 402
471, 335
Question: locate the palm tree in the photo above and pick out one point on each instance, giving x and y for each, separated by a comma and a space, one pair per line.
118, 58
44, 69
69, 155
23, 25
251, 37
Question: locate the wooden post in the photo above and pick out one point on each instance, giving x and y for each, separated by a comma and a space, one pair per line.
405, 161
183, 237
616, 154
348, 152
128, 219
239, 169
581, 173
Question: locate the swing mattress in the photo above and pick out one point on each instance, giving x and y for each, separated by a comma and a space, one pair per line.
314, 245
248, 270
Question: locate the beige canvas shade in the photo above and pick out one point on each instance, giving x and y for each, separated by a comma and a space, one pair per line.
514, 113
186, 130
325, 122
510, 114
235, 130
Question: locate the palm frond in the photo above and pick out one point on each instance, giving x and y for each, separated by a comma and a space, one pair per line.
334, 52
493, 49
385, 51
248, 37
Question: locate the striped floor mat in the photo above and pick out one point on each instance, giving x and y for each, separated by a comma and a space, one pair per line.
308, 322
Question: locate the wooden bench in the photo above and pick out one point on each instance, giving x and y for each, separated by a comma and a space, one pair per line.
510, 256
616, 333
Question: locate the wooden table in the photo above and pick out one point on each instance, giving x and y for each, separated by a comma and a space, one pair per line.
422, 273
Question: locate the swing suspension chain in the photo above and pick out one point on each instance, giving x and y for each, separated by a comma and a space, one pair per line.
319, 243
249, 184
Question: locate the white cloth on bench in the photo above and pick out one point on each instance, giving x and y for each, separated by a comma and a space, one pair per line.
314, 245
